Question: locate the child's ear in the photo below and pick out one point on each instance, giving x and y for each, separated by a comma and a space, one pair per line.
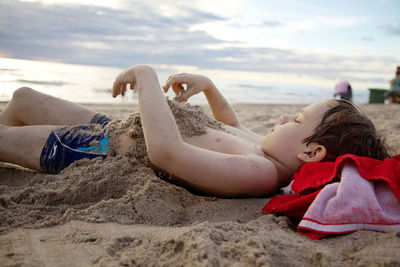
314, 152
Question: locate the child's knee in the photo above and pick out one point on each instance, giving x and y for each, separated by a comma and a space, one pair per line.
22, 92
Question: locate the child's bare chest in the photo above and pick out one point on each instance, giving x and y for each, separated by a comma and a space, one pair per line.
232, 141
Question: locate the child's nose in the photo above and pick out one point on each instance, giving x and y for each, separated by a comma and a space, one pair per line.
283, 119
286, 118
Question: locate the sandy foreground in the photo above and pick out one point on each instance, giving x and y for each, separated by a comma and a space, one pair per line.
108, 213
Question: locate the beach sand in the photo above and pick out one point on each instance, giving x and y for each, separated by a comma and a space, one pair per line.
108, 213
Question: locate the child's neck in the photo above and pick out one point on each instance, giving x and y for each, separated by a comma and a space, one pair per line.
284, 173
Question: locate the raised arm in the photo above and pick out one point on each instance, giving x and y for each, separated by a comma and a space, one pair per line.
221, 109
202, 169
159, 126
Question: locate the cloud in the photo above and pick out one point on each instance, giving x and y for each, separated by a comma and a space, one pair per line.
367, 38
159, 34
265, 23
271, 23
392, 29
97, 35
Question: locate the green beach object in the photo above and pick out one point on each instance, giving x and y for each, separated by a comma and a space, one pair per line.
377, 95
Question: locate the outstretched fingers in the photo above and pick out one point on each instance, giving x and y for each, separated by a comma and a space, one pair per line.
184, 95
176, 82
120, 87
123, 79
115, 90
177, 88
175, 79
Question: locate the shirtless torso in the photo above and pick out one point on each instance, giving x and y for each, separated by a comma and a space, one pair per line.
229, 141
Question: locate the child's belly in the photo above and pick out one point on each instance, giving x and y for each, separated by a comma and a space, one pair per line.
220, 141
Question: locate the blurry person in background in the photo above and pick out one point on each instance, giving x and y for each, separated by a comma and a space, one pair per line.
393, 95
343, 89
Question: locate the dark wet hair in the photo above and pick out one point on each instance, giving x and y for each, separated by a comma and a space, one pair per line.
346, 129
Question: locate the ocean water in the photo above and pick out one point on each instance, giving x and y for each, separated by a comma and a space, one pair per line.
92, 84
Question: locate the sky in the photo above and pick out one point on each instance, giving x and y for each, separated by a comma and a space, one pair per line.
307, 42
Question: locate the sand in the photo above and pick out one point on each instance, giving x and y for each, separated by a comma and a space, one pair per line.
117, 212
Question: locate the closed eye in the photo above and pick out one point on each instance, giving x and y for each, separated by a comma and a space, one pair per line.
300, 117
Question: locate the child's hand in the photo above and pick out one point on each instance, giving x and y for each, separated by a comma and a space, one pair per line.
124, 78
128, 76
194, 85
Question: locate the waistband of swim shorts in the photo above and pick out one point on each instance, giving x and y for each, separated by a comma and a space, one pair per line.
101, 119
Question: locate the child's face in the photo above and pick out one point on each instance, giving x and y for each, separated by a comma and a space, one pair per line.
285, 140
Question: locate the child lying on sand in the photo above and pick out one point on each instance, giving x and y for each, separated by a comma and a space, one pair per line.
230, 162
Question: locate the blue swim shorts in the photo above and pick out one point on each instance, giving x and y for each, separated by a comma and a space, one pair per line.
67, 144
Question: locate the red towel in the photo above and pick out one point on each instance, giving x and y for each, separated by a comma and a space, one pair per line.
343, 196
